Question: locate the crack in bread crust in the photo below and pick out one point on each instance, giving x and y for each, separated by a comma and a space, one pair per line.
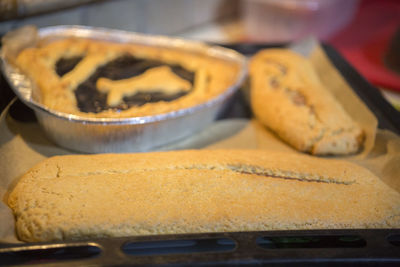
238, 168
288, 175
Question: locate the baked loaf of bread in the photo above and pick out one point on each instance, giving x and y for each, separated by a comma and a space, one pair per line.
288, 97
93, 78
109, 195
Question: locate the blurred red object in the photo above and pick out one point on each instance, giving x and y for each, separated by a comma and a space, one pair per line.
367, 39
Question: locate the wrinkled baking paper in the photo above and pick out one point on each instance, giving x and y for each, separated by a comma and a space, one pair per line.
22, 145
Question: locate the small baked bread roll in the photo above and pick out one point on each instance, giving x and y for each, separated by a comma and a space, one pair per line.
288, 97
110, 195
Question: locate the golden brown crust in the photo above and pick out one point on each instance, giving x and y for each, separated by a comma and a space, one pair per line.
288, 97
58, 92
75, 197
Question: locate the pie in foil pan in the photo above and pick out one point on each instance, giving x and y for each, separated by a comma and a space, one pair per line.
98, 90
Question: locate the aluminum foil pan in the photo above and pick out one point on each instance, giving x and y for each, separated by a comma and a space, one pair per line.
135, 134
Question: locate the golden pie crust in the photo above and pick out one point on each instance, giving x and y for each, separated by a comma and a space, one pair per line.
212, 76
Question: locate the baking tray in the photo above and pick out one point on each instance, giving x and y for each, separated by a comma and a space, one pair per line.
305, 247
310, 248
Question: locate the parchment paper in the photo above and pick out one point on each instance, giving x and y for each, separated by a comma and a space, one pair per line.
22, 144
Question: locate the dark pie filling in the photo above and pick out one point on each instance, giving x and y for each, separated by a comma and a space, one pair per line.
65, 65
89, 99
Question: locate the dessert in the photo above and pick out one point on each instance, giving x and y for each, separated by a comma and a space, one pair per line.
95, 78
196, 191
288, 97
